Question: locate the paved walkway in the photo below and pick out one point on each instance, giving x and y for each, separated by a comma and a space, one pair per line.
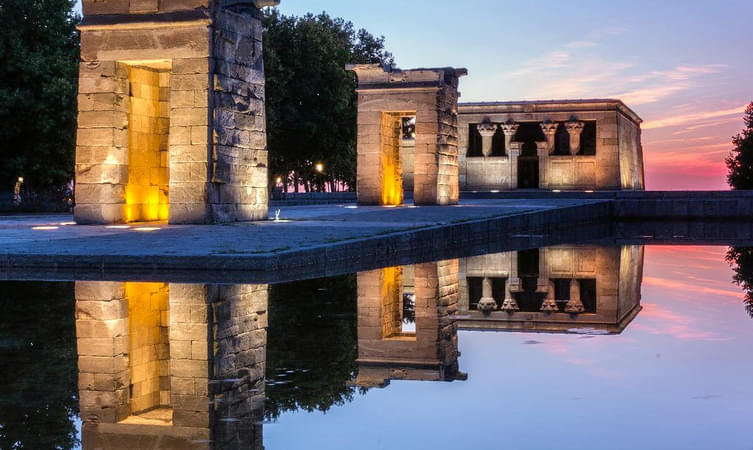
299, 227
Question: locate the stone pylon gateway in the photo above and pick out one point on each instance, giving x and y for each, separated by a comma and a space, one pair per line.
419, 106
171, 119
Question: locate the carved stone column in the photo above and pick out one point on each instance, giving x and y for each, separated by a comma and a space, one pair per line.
549, 129
574, 129
574, 305
486, 130
513, 152
509, 305
509, 128
486, 303
549, 304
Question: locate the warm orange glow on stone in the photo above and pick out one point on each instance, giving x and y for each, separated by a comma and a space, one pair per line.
392, 180
148, 124
150, 355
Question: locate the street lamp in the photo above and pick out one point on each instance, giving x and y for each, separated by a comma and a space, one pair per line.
319, 167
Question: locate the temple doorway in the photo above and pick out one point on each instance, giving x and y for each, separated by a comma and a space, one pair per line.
529, 133
147, 190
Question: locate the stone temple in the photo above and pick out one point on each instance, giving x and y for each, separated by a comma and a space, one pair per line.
415, 139
171, 123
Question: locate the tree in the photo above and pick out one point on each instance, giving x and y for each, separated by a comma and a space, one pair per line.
312, 345
39, 370
741, 259
310, 97
38, 85
740, 161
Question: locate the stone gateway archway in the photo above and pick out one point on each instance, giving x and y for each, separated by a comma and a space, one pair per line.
171, 121
391, 102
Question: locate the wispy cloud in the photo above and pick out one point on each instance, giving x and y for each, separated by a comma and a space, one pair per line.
684, 119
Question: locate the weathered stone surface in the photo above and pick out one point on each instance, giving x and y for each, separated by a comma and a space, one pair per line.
384, 98
124, 111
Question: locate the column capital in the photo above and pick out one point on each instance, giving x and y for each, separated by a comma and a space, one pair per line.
510, 128
486, 129
574, 127
549, 128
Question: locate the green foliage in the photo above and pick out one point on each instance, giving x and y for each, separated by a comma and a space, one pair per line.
310, 97
741, 259
740, 161
39, 372
38, 79
312, 344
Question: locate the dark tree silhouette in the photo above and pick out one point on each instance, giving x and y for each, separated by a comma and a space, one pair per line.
310, 97
38, 86
38, 366
312, 344
741, 260
740, 161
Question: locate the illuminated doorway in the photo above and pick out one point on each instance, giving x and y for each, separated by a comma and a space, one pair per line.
147, 190
390, 167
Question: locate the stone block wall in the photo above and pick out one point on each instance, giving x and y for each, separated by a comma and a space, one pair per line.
428, 354
215, 107
197, 349
102, 342
631, 154
189, 333
429, 94
238, 369
239, 139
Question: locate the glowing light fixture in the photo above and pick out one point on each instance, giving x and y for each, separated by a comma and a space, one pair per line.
67, 223
118, 227
278, 180
556, 190
589, 191
319, 167
147, 229
20, 179
494, 191
45, 228
351, 207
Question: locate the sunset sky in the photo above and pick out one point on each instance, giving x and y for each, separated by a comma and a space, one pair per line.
684, 67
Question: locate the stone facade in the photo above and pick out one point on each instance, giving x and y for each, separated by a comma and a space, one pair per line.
566, 145
171, 365
553, 289
385, 97
171, 121
392, 345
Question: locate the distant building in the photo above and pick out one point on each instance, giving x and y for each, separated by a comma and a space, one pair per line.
567, 144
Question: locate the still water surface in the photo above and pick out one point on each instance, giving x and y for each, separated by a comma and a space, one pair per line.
642, 347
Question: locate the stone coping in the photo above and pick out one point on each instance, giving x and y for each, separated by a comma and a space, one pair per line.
393, 244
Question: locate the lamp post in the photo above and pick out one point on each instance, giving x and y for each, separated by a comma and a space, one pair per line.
17, 191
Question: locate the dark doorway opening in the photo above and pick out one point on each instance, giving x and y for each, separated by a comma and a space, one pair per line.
528, 163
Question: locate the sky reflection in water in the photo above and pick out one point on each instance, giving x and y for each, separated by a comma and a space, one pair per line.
676, 378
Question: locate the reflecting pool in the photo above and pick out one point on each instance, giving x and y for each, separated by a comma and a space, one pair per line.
571, 347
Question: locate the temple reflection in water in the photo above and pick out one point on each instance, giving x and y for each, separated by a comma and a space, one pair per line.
183, 365
171, 365
553, 289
